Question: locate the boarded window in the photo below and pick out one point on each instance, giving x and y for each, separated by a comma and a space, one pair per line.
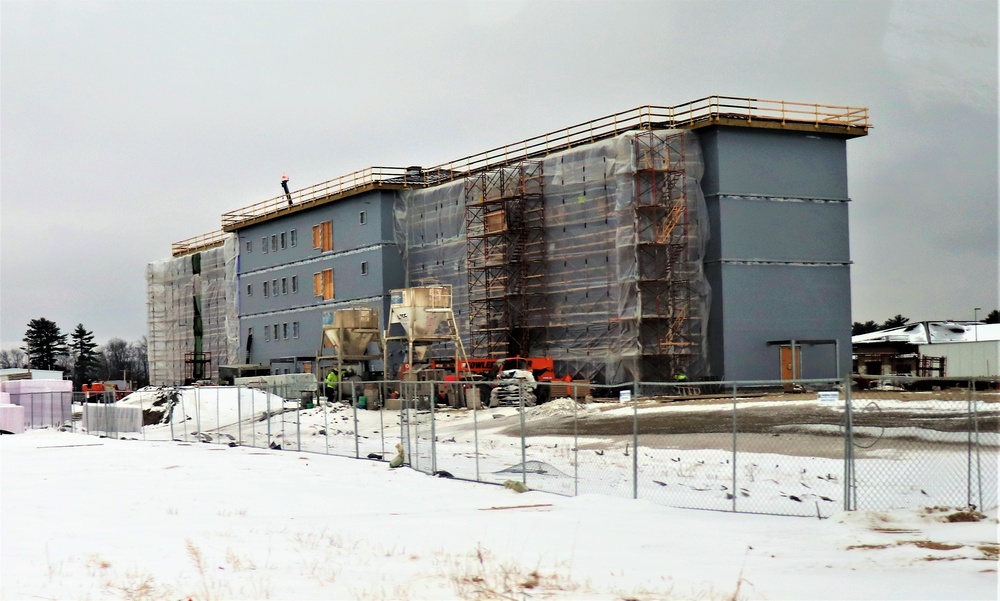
323, 236
323, 284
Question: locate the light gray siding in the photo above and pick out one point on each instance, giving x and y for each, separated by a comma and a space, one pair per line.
365, 260
778, 256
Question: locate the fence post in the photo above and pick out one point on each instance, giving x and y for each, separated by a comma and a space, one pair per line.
354, 412
734, 447
968, 446
850, 503
239, 416
267, 413
433, 400
979, 465
475, 425
635, 440
576, 448
184, 420
298, 425
524, 456
326, 425
197, 412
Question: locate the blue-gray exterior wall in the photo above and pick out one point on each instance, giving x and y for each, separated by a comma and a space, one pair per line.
778, 258
354, 243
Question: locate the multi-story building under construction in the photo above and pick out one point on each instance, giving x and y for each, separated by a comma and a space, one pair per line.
708, 239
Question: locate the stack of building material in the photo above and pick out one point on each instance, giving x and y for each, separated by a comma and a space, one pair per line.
45, 402
112, 418
11, 416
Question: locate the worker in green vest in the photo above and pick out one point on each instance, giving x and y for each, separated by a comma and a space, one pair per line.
331, 386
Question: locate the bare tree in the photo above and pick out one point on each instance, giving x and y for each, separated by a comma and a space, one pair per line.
115, 360
139, 373
13, 358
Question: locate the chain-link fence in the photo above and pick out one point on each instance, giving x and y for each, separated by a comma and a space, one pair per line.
808, 447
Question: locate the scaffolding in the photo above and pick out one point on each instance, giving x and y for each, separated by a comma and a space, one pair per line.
599, 268
505, 233
191, 312
668, 258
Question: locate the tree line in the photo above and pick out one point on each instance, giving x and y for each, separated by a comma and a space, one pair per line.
47, 347
868, 327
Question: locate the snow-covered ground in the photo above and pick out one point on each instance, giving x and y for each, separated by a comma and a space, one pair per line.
98, 518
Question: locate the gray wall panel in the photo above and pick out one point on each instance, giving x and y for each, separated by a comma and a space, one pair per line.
741, 161
348, 232
780, 302
753, 228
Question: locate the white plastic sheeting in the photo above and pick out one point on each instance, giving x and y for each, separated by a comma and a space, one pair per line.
173, 287
606, 267
111, 417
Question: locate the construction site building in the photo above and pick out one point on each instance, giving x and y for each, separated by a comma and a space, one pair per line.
708, 240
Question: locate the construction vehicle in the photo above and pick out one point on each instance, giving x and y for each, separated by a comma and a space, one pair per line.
487, 374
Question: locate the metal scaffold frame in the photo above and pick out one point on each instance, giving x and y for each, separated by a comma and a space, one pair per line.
671, 316
505, 232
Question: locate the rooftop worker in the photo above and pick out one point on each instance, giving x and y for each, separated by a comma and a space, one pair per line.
331, 386
284, 186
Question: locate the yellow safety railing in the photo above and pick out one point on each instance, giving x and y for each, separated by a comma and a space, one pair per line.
699, 112
196, 243
370, 176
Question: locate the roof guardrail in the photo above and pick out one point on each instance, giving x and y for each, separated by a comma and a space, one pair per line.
704, 111
198, 243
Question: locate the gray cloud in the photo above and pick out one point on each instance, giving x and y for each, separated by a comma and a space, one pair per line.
128, 126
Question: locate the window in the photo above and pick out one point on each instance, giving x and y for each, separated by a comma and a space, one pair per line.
284, 285
295, 284
276, 331
265, 290
282, 240
274, 242
323, 284
249, 246
249, 289
294, 236
295, 329
274, 287
284, 331
323, 236
363, 217
263, 245
267, 334
364, 268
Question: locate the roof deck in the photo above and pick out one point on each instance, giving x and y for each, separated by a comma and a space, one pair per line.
704, 112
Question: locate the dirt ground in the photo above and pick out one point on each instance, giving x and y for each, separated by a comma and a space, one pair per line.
764, 427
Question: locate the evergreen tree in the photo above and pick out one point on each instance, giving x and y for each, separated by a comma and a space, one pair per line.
85, 359
44, 344
867, 327
992, 317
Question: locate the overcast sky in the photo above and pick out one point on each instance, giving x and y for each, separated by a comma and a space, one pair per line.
126, 126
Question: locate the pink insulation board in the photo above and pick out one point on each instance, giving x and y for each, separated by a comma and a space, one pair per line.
45, 402
12, 418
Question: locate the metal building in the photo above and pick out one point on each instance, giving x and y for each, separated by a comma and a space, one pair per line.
709, 239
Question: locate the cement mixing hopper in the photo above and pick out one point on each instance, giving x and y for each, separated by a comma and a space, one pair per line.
350, 330
421, 310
